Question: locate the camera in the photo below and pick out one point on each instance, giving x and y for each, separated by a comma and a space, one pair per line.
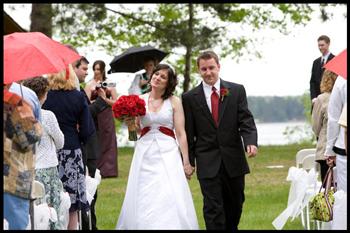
105, 84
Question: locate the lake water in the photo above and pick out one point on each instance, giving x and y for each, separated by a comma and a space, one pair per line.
268, 133
272, 133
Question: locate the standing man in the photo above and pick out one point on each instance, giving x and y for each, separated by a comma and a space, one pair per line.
317, 66
335, 148
217, 119
91, 149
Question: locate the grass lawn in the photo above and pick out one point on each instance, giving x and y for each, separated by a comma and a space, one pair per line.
266, 190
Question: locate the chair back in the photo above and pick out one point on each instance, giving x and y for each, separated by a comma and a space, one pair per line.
301, 155
38, 190
309, 162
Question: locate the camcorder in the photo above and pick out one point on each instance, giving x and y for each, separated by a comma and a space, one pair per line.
105, 85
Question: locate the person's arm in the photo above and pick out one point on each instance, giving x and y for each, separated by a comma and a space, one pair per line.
317, 117
98, 106
190, 129
142, 82
179, 123
114, 96
335, 107
247, 126
313, 82
343, 122
88, 90
86, 125
53, 129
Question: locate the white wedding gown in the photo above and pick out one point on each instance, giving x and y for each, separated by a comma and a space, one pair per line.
157, 194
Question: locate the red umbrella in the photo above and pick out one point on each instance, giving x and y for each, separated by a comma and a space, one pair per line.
29, 54
338, 64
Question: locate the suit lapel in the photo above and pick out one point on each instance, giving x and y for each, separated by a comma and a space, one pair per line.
223, 103
200, 98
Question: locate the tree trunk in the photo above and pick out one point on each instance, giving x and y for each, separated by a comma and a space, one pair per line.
187, 75
41, 19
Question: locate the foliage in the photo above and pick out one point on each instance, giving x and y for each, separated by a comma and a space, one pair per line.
188, 27
304, 134
307, 105
230, 29
265, 189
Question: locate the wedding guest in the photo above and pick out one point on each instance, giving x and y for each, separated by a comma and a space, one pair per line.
220, 128
157, 194
21, 131
107, 161
317, 66
140, 83
71, 110
335, 148
91, 149
320, 118
52, 139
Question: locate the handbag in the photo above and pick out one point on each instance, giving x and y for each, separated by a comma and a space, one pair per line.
321, 205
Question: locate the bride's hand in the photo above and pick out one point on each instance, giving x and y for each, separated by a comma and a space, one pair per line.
188, 170
129, 120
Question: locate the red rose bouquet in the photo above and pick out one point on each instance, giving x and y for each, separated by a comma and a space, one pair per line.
129, 106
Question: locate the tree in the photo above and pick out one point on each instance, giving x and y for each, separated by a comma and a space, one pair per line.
172, 27
41, 19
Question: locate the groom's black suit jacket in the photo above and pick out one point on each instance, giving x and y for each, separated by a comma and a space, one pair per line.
210, 145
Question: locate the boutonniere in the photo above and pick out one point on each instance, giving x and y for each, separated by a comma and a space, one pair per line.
224, 92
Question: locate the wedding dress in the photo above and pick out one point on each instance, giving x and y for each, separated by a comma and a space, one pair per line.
157, 194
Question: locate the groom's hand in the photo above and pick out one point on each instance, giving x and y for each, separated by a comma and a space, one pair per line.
188, 171
252, 150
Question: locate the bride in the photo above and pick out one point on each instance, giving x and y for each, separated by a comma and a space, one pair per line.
157, 194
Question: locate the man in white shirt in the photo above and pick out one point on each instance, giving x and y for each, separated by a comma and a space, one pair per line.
335, 149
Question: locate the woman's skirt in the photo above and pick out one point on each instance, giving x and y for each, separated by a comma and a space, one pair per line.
71, 172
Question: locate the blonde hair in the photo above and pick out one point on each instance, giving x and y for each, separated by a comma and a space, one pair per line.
58, 81
328, 80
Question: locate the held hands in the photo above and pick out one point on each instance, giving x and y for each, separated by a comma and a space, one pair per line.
188, 170
252, 151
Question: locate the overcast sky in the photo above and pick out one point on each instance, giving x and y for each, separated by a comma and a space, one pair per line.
285, 68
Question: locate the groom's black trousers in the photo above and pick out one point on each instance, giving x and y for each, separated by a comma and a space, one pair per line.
223, 200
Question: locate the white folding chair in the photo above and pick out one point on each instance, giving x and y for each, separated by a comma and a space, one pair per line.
308, 163
38, 191
301, 155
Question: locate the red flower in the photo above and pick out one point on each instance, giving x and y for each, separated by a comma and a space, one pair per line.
224, 92
129, 106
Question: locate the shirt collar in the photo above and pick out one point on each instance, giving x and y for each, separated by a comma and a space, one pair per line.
325, 57
216, 85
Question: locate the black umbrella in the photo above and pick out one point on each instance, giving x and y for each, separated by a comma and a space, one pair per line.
133, 58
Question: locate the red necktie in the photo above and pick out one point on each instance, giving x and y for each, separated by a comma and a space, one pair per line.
215, 105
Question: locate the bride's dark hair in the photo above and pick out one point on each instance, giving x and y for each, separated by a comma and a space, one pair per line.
172, 80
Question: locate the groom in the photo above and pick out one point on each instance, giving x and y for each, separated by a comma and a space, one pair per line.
217, 119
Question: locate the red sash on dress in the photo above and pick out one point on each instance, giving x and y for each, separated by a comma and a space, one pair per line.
162, 129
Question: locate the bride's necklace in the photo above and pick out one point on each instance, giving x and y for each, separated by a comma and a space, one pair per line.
155, 103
